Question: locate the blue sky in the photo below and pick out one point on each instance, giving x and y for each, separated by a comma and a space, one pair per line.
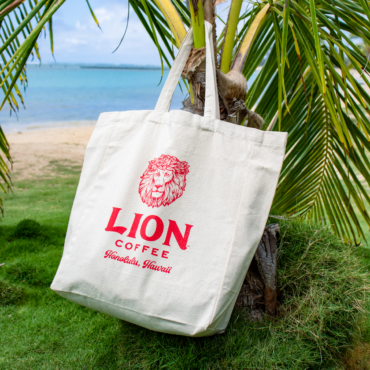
77, 39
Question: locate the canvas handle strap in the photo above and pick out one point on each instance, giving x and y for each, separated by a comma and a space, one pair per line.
211, 107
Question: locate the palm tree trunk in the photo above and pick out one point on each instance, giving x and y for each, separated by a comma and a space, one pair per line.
259, 290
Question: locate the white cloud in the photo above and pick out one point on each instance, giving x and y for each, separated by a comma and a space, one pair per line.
80, 26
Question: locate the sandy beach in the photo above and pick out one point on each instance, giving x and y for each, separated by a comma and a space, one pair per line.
33, 151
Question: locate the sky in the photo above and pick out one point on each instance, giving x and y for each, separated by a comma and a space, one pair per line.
77, 39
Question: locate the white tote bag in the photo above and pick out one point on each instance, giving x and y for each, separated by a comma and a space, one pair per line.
169, 211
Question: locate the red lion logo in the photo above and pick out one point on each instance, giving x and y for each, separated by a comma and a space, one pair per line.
163, 181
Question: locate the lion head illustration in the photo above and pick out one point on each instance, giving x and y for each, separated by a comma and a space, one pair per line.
163, 181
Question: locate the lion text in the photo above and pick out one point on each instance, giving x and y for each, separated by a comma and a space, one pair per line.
172, 229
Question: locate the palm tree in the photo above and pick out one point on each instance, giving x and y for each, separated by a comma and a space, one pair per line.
304, 87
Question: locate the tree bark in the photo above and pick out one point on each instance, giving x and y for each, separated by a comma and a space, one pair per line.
232, 90
232, 86
259, 290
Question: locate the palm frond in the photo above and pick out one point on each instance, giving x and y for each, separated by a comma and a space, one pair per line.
20, 26
5, 183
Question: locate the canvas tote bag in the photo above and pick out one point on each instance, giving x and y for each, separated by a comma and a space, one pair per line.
169, 211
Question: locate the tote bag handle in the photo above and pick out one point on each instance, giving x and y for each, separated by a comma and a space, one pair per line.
211, 107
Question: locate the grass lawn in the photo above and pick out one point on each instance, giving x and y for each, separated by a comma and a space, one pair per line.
320, 286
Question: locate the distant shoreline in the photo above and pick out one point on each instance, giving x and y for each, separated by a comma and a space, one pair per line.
117, 67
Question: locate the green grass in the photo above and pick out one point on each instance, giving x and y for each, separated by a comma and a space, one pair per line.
46, 200
322, 285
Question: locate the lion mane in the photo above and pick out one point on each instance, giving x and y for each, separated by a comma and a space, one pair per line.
173, 189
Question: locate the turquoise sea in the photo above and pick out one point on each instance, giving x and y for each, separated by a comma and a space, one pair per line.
59, 95
69, 95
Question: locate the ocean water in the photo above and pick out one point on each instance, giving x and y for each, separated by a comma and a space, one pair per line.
68, 95
59, 95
